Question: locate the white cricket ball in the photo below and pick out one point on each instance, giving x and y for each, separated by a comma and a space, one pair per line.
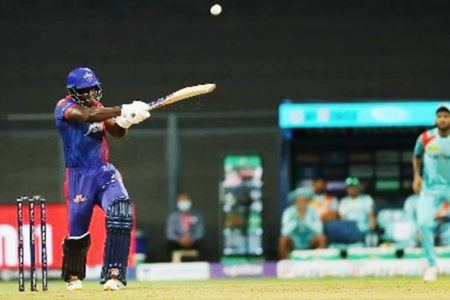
216, 9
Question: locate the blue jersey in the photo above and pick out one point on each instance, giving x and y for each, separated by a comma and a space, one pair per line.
435, 151
85, 144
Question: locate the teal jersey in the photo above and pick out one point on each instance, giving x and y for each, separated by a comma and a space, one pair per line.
435, 153
357, 209
292, 224
324, 203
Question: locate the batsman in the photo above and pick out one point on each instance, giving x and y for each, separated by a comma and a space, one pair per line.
83, 123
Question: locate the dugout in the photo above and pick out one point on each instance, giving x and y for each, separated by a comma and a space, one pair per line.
371, 140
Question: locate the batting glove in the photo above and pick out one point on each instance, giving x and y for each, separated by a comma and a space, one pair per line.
139, 105
136, 108
123, 122
134, 113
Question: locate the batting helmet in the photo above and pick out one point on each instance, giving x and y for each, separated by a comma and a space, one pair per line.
82, 78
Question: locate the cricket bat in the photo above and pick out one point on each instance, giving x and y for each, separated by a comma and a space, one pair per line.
187, 92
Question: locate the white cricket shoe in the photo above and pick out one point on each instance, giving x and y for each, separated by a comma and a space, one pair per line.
430, 274
112, 285
75, 285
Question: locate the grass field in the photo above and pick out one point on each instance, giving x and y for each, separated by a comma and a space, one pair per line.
326, 288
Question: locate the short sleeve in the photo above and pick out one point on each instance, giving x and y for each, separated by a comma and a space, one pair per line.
315, 222
288, 222
62, 108
370, 204
342, 208
334, 204
418, 148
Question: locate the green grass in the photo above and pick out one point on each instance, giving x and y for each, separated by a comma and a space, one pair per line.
324, 288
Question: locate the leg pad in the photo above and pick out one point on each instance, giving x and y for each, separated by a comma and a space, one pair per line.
74, 256
119, 223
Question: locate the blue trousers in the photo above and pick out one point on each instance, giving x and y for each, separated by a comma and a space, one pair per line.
86, 187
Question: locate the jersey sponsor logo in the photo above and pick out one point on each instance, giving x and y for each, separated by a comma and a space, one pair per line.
314, 204
80, 198
439, 156
88, 76
433, 148
94, 128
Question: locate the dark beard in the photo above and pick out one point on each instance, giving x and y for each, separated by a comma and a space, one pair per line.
447, 128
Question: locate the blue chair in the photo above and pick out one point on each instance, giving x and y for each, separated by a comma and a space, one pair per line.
342, 232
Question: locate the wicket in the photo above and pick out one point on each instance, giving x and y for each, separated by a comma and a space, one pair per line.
32, 201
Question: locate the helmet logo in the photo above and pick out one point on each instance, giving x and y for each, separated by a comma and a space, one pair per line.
88, 76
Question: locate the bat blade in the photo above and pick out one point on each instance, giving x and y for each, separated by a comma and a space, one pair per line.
187, 92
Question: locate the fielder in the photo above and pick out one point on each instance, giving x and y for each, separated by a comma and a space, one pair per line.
431, 165
91, 180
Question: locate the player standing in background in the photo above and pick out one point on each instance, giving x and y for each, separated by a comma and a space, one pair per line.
91, 180
431, 165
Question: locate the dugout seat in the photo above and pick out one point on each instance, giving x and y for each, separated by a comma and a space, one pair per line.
397, 228
342, 232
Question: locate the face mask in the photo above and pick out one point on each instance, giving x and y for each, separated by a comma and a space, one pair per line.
184, 205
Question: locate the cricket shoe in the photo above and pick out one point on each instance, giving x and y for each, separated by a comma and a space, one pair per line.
430, 274
75, 285
112, 285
